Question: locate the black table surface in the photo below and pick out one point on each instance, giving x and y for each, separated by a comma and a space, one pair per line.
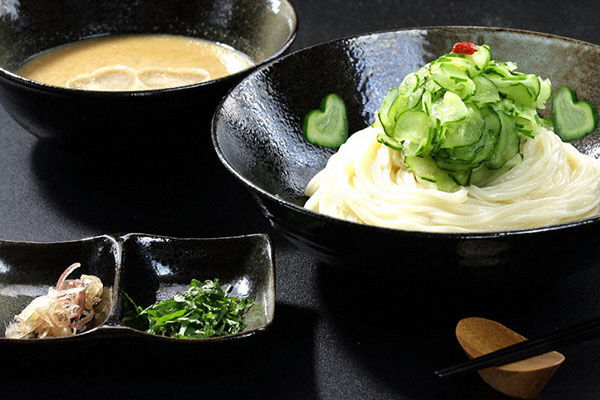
334, 336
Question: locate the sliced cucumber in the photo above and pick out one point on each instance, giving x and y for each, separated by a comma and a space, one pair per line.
467, 116
409, 83
508, 144
473, 155
389, 142
425, 168
527, 122
572, 118
523, 89
545, 93
414, 98
500, 68
485, 91
446, 162
463, 61
453, 78
449, 108
463, 132
481, 57
328, 126
462, 178
413, 131
385, 117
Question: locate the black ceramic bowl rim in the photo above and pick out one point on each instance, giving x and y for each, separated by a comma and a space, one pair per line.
373, 228
152, 92
105, 329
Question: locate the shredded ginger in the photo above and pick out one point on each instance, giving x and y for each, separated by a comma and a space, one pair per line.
64, 311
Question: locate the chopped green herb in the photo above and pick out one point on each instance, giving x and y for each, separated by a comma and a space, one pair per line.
203, 311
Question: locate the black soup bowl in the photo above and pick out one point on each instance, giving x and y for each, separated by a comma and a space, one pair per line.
257, 136
261, 29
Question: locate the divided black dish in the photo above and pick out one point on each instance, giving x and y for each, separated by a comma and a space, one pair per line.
157, 267
148, 268
257, 135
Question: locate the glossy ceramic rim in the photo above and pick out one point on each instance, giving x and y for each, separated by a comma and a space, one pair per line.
355, 225
154, 92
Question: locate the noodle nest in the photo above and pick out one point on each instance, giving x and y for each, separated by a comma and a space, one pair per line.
367, 182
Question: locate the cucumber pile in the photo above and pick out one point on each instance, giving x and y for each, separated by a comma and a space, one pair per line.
463, 117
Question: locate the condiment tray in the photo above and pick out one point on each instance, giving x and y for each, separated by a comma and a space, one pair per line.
146, 267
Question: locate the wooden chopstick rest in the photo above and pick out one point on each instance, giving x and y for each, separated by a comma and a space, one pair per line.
523, 379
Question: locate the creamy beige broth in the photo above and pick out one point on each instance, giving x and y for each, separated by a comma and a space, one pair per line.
134, 62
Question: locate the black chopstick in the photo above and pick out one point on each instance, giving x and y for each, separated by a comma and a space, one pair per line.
529, 348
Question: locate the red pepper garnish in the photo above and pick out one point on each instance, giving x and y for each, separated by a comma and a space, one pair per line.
464, 48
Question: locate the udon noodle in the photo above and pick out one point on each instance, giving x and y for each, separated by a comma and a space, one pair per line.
367, 182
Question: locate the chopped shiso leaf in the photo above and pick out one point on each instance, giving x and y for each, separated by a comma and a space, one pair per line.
327, 126
463, 117
203, 311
